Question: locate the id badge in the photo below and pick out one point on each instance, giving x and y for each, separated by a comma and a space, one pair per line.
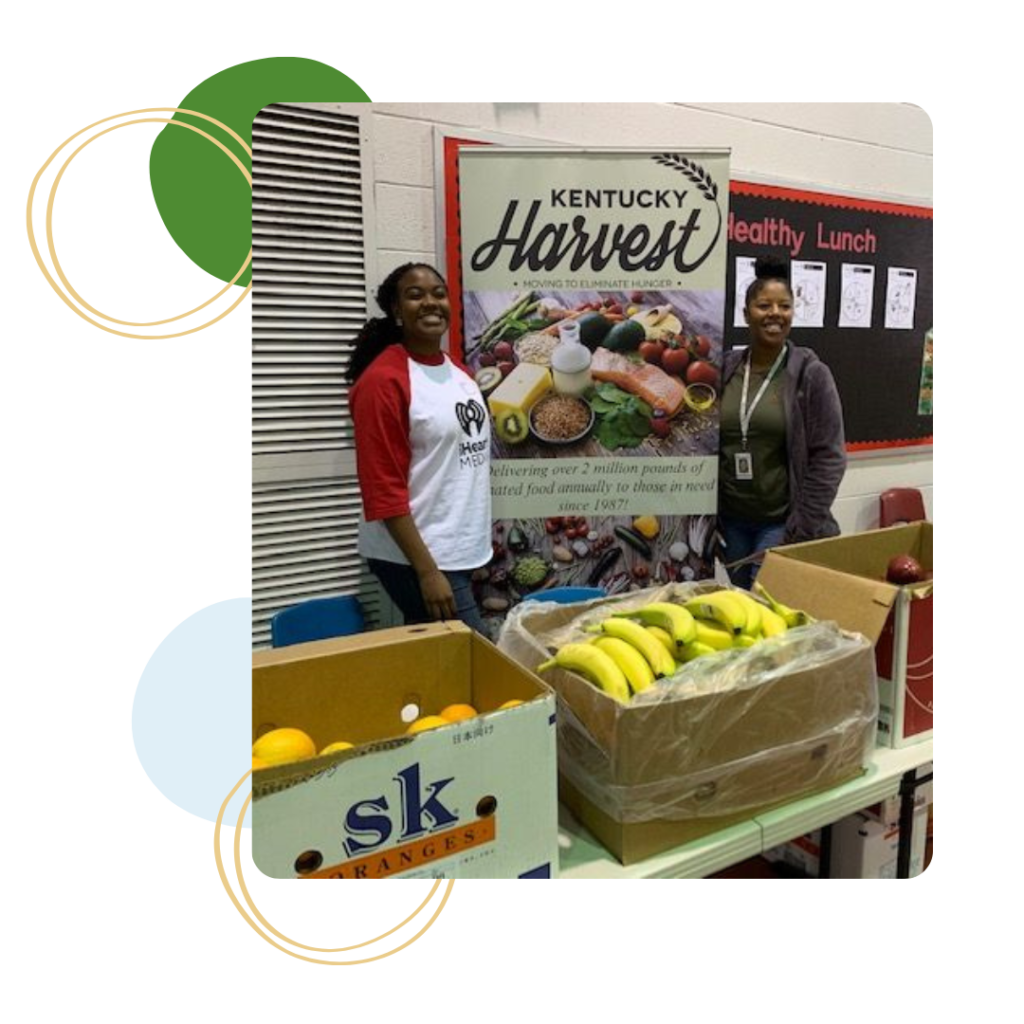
744, 466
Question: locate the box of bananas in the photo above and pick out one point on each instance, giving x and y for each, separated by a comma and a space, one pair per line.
631, 650
689, 707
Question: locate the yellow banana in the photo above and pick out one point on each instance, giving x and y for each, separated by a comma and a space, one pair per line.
673, 618
772, 624
695, 649
713, 634
662, 663
663, 638
791, 616
721, 605
593, 664
634, 665
744, 640
753, 626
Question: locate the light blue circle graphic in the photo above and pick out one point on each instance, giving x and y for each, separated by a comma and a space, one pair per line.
192, 710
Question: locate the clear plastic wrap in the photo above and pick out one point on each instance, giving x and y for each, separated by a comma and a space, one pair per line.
728, 733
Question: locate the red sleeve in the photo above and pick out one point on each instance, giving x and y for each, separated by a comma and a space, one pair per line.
379, 403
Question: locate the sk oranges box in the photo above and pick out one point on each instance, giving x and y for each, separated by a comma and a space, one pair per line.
476, 798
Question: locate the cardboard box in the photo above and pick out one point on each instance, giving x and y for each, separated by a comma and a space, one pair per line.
473, 800
862, 847
647, 777
843, 579
865, 848
804, 852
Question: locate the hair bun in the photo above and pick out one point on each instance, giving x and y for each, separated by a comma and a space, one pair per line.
771, 267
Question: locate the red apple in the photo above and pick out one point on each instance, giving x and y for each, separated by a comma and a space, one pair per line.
904, 569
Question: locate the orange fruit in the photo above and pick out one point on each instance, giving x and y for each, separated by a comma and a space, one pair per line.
459, 712
509, 704
281, 746
332, 747
427, 722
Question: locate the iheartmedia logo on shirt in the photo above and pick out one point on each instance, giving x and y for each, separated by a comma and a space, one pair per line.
470, 414
473, 453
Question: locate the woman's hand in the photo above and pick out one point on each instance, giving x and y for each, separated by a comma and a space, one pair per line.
437, 594
434, 585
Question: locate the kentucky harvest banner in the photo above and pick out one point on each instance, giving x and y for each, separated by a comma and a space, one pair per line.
592, 313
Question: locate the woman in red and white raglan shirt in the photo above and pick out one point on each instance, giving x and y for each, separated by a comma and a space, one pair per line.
422, 453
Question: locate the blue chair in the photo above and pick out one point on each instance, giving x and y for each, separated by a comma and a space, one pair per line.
566, 595
316, 619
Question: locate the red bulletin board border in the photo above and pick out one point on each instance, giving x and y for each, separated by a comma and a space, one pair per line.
796, 195
453, 254
872, 446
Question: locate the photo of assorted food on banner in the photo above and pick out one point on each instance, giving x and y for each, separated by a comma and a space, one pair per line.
592, 311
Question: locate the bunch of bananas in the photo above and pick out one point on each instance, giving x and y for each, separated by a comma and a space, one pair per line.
632, 649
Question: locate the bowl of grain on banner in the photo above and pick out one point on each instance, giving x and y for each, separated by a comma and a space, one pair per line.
561, 419
536, 347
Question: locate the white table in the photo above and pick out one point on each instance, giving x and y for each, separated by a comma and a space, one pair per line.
582, 856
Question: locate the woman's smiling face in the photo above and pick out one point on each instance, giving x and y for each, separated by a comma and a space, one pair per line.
422, 307
770, 314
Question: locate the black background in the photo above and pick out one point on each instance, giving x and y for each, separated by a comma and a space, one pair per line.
877, 371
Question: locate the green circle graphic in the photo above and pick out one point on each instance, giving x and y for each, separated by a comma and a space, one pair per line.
196, 190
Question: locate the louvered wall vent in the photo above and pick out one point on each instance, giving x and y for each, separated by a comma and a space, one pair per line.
308, 301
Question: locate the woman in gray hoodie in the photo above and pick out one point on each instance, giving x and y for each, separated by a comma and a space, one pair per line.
783, 453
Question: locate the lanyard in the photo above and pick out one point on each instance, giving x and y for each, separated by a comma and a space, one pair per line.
745, 412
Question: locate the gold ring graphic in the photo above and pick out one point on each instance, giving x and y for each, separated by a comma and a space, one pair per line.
49, 222
252, 924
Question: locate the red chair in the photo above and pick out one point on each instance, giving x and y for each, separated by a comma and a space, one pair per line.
901, 505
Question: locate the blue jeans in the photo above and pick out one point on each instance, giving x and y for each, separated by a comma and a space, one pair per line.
742, 538
403, 587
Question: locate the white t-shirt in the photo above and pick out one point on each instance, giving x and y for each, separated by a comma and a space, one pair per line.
423, 442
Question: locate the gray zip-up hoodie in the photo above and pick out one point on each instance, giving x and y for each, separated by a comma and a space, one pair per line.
815, 442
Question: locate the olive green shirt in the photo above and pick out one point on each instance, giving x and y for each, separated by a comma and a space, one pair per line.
766, 497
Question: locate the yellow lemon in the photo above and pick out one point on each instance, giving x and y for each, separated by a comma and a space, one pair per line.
427, 722
332, 747
257, 764
509, 704
459, 712
283, 745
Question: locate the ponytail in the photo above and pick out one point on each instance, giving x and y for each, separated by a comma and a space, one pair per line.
377, 334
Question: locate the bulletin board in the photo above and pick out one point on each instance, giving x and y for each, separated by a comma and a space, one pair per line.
863, 287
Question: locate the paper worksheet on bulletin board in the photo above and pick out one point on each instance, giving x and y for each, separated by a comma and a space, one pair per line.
861, 272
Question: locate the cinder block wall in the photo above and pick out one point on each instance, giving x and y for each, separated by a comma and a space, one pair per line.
877, 149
